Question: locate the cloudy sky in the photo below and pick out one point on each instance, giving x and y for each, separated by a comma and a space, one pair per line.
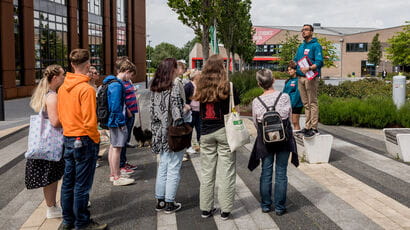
163, 24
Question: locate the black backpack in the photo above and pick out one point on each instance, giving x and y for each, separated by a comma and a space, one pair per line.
102, 104
273, 129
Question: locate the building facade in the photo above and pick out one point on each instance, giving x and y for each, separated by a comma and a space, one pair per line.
38, 33
352, 46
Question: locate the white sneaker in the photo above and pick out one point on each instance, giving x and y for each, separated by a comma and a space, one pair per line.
121, 181
54, 212
191, 150
124, 176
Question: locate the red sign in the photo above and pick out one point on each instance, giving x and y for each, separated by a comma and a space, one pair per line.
263, 34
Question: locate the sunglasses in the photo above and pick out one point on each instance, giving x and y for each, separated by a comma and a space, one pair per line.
305, 30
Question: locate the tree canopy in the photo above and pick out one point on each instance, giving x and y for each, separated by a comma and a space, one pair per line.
399, 50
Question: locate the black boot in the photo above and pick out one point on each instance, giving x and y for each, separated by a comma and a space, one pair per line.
172, 207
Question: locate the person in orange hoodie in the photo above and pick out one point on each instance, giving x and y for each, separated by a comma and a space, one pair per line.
77, 113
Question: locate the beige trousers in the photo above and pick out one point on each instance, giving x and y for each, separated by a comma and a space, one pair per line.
217, 160
308, 94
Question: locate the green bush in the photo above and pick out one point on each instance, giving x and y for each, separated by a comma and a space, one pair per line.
248, 97
244, 81
372, 112
359, 89
403, 115
280, 75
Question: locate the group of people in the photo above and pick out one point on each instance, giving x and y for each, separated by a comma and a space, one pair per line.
69, 101
206, 102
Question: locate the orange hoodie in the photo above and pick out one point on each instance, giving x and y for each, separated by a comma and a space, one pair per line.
77, 107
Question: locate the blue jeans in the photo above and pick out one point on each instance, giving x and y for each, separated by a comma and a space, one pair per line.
130, 124
281, 181
78, 180
168, 175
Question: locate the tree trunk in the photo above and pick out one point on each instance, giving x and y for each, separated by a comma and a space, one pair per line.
228, 52
233, 62
240, 64
205, 42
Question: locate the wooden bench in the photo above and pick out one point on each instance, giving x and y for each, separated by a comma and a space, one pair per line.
316, 149
398, 142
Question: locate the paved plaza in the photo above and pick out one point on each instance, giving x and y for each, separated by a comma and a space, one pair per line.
360, 188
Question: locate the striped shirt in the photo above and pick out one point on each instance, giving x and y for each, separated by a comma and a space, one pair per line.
130, 97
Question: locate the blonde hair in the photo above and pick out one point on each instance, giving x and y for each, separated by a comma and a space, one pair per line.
38, 99
79, 56
265, 78
213, 85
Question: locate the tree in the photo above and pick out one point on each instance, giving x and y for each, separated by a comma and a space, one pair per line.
328, 52
199, 15
187, 49
375, 52
288, 49
162, 51
399, 50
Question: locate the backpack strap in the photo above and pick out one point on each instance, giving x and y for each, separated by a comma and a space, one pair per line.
263, 103
276, 102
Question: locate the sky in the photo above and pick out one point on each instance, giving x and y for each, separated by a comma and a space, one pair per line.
163, 24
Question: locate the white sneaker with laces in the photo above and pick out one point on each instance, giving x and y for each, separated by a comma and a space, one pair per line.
125, 176
54, 212
121, 181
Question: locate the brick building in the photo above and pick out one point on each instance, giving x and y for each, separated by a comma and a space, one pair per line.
38, 33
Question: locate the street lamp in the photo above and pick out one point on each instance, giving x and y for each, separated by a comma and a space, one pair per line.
341, 58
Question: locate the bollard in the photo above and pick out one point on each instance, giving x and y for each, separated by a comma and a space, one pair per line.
2, 117
399, 90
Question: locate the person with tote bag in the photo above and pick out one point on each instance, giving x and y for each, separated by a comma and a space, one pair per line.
41, 172
213, 88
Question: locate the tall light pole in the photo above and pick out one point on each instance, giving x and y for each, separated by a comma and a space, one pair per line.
341, 58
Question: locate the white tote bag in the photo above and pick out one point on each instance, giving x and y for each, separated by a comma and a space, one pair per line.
45, 142
236, 131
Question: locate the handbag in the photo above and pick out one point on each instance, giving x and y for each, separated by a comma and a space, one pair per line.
236, 132
179, 133
45, 142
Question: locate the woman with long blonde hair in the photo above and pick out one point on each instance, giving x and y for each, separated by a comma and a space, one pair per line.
213, 94
43, 173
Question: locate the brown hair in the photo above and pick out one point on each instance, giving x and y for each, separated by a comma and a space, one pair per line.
79, 56
164, 75
38, 99
123, 64
213, 85
311, 27
292, 64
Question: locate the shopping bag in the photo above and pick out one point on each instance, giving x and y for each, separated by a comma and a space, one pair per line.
45, 142
236, 132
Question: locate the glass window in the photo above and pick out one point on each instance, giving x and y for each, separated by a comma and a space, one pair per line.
121, 29
95, 43
94, 7
356, 47
51, 43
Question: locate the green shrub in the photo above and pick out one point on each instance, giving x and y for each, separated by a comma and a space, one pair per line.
359, 89
248, 97
373, 112
280, 75
244, 81
403, 115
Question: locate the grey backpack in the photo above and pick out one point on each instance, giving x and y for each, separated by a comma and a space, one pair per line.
273, 129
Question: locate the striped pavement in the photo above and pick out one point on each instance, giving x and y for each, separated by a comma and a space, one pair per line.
360, 188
